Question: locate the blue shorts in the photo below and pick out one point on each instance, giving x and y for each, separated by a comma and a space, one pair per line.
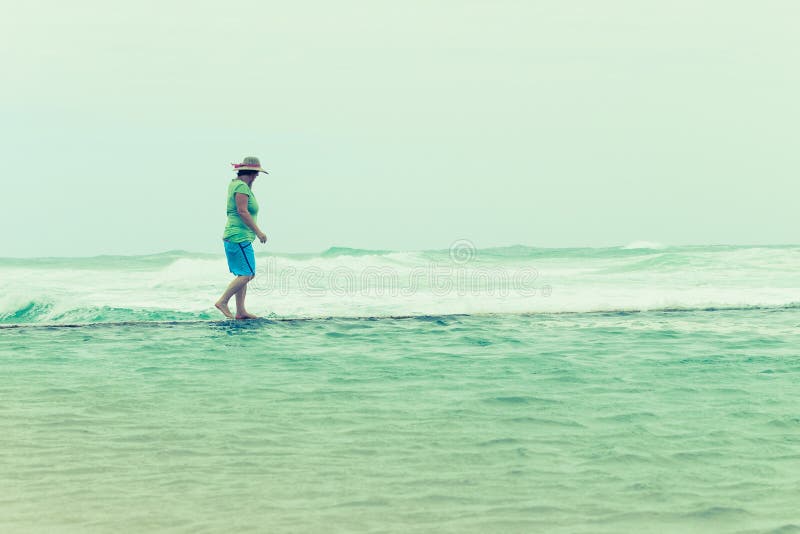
241, 260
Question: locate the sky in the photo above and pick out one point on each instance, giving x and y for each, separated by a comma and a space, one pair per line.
398, 125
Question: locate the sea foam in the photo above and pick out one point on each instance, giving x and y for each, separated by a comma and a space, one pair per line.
356, 283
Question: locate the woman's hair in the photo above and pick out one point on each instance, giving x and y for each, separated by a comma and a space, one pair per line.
247, 173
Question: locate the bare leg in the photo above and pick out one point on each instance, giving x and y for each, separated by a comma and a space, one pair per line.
236, 284
241, 312
240, 295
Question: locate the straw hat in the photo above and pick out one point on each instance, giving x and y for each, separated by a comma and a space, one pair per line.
250, 163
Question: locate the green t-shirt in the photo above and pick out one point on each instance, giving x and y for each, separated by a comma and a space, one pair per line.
236, 231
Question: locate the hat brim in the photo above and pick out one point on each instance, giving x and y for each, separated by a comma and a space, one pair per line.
259, 169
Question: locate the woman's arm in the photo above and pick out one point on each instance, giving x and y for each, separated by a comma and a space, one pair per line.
244, 213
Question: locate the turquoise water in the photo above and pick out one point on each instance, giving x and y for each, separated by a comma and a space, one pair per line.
143, 417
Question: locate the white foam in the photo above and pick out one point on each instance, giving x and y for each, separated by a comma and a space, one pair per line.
407, 283
644, 245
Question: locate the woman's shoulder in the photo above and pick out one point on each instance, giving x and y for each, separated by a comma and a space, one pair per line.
238, 186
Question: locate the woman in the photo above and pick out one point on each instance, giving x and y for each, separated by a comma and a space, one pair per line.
240, 231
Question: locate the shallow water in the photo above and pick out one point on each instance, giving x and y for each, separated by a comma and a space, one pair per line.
682, 421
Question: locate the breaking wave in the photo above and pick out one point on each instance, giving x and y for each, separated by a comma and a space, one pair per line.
345, 282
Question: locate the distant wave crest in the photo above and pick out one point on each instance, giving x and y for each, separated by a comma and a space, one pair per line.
346, 251
652, 245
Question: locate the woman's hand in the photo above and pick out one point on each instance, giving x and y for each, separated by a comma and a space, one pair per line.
262, 237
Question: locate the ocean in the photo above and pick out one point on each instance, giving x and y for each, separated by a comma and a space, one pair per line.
642, 388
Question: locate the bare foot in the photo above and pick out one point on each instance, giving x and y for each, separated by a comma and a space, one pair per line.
223, 307
247, 315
